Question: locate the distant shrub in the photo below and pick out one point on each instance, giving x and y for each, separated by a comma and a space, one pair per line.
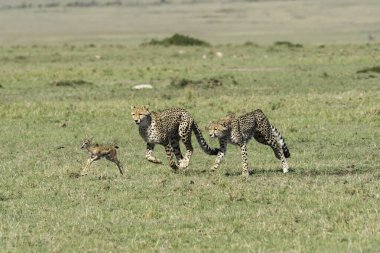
375, 69
288, 44
204, 83
208, 82
178, 40
70, 83
250, 44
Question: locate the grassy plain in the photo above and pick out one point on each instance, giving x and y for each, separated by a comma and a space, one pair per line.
328, 113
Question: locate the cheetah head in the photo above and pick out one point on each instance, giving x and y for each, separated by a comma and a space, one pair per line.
139, 113
216, 130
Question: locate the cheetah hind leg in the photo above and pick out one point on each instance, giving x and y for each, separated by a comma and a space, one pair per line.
279, 155
184, 162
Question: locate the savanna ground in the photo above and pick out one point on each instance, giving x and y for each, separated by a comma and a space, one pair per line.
323, 97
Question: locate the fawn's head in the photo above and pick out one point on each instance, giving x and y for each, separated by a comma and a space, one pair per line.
86, 143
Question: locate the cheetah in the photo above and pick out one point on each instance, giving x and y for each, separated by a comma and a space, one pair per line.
167, 128
239, 130
98, 151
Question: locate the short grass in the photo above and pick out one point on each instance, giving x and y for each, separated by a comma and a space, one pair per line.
328, 112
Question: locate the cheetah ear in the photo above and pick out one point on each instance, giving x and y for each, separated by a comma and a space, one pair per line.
133, 107
207, 127
146, 107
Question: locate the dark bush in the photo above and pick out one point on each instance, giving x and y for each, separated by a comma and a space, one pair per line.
375, 69
178, 40
288, 44
70, 83
204, 83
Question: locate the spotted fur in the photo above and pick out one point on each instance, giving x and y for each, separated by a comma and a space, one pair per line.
167, 128
239, 130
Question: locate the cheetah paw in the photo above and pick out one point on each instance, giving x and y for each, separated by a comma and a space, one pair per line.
154, 160
184, 163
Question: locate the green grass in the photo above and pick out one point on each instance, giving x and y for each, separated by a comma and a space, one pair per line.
328, 113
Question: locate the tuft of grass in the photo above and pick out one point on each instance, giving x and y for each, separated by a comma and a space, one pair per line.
178, 40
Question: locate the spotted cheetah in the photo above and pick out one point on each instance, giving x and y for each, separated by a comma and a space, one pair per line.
98, 151
239, 130
166, 128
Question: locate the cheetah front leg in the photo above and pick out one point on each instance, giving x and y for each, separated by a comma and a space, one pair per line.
149, 154
220, 155
244, 157
170, 156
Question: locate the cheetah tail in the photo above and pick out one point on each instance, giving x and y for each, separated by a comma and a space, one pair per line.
280, 140
202, 142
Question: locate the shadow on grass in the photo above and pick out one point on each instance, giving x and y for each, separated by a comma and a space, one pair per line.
256, 172
305, 172
193, 172
333, 172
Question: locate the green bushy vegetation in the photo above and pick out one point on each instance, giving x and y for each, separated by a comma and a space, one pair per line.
178, 40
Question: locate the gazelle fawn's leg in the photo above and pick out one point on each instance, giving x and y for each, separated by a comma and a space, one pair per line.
88, 163
149, 154
244, 157
117, 162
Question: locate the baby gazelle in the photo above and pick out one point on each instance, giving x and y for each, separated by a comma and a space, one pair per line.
98, 151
